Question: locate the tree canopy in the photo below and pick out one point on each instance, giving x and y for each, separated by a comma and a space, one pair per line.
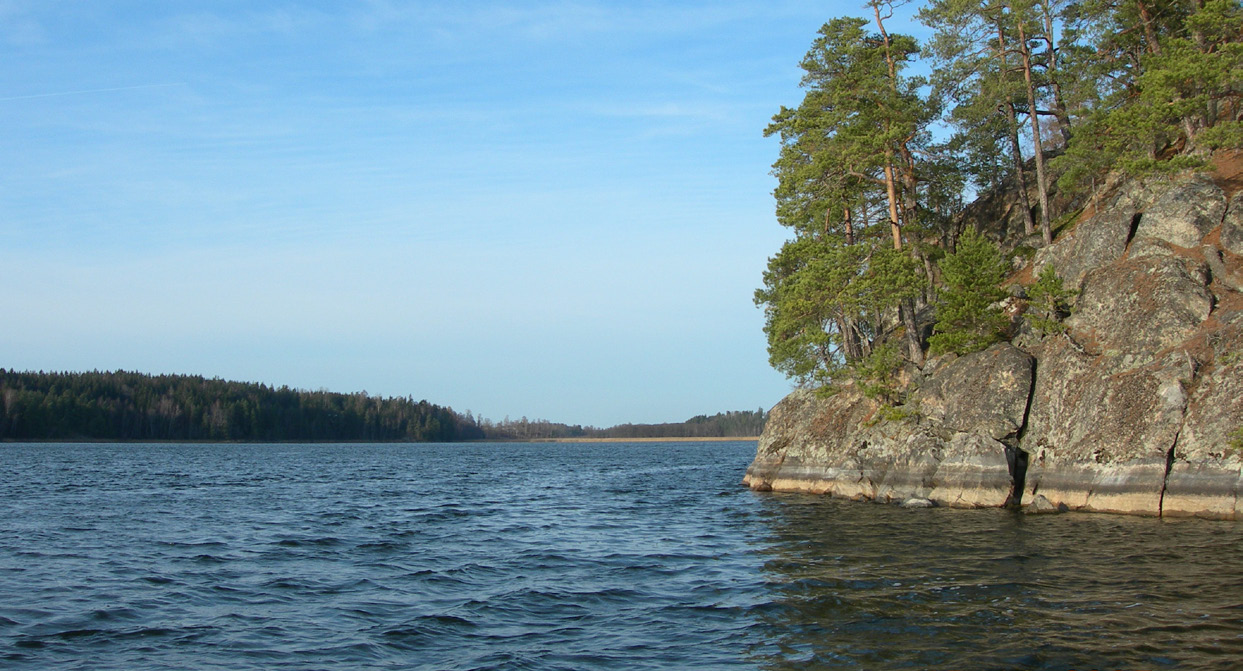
1028, 95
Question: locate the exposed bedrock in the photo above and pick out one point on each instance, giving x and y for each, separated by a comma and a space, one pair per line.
1206, 474
1232, 226
1099, 239
951, 452
1135, 409
1184, 212
1099, 435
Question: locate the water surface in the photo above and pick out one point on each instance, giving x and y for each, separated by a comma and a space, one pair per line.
569, 556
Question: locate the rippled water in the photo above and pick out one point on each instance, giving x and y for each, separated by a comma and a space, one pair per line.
600, 556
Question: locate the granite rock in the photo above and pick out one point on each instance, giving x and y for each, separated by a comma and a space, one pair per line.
1141, 306
1132, 410
1184, 213
842, 445
1232, 226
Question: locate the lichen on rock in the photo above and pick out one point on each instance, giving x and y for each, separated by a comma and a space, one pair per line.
950, 452
1131, 410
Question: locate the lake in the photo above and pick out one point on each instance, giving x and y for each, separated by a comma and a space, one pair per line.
569, 556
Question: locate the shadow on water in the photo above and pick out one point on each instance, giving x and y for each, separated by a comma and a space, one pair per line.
856, 585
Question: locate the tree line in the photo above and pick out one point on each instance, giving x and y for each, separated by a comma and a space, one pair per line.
130, 406
733, 424
1036, 97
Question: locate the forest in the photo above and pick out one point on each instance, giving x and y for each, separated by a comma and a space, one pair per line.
130, 406
1032, 102
734, 424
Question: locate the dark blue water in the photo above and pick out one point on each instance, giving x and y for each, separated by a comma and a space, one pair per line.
601, 556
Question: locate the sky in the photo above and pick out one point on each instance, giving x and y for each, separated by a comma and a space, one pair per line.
546, 209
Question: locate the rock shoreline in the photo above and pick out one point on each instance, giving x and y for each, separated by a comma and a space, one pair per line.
1129, 411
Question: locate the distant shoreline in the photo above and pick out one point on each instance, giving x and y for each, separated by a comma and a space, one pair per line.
104, 441
706, 439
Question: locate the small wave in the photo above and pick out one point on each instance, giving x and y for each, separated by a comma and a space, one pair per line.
586, 574
192, 544
77, 633
146, 632
114, 614
426, 628
382, 547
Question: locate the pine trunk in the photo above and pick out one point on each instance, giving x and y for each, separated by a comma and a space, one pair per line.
1150, 36
1042, 189
1059, 103
914, 344
891, 193
1012, 133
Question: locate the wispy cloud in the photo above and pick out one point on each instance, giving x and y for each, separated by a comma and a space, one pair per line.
572, 176
113, 89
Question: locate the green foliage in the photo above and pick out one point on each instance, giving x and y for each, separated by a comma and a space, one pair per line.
1236, 439
1025, 252
967, 320
877, 373
847, 163
738, 423
1049, 303
1225, 135
898, 413
834, 145
805, 296
818, 292
977, 78
1136, 86
132, 406
1180, 95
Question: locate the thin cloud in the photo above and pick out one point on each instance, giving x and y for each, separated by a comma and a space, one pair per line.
58, 94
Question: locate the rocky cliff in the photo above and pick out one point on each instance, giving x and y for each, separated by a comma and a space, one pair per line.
1130, 410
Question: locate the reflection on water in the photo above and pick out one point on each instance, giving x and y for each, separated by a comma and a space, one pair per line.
874, 586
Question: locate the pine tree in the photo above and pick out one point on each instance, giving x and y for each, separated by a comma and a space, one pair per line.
967, 317
846, 162
1178, 93
1048, 302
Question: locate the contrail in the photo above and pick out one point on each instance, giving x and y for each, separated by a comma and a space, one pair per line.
74, 93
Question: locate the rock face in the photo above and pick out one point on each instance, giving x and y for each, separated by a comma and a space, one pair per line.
1184, 213
1131, 410
1232, 226
843, 445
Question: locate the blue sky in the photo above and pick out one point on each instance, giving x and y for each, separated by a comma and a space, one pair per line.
556, 210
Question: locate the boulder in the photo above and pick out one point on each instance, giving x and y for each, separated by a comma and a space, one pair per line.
1184, 213
1132, 410
805, 428
984, 393
1042, 506
1098, 239
1141, 306
843, 445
